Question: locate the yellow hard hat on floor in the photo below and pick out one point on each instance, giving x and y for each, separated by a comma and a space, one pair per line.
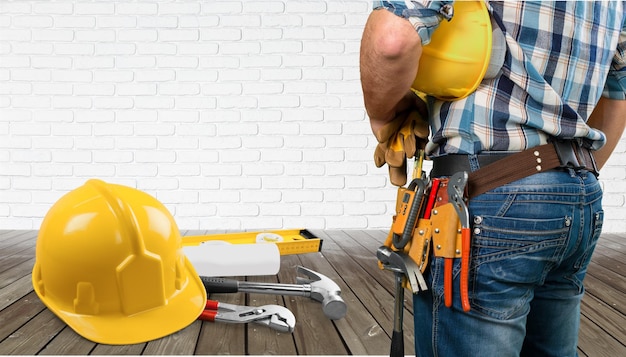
110, 264
455, 61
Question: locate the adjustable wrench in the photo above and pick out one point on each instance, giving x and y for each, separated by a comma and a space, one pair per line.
456, 190
274, 316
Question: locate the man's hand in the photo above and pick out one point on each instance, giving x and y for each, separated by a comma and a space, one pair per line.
400, 138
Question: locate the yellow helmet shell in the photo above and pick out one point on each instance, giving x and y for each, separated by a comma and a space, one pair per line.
109, 263
455, 61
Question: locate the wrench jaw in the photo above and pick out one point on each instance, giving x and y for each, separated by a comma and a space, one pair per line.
283, 321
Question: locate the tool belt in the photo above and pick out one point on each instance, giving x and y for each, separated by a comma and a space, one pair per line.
433, 215
497, 169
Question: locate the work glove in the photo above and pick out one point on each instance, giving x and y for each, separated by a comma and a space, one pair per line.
400, 139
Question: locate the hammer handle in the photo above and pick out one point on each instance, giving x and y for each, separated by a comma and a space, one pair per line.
222, 285
219, 285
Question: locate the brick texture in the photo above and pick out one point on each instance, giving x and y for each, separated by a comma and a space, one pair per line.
236, 115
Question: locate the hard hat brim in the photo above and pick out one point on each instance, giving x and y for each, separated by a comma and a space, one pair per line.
120, 329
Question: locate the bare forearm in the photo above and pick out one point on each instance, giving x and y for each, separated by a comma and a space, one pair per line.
609, 116
390, 51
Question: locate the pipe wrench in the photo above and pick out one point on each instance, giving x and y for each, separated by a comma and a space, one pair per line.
274, 316
456, 190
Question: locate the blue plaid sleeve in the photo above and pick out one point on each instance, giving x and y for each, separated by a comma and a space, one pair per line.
615, 87
425, 16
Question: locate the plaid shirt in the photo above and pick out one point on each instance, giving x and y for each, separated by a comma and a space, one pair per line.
561, 57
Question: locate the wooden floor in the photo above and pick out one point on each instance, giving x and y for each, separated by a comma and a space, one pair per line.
347, 257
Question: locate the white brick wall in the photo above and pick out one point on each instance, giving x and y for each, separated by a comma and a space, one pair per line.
234, 114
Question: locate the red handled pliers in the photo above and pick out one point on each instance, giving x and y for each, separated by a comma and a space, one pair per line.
274, 316
456, 191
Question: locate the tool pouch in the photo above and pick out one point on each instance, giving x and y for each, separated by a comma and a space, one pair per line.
418, 248
446, 225
446, 231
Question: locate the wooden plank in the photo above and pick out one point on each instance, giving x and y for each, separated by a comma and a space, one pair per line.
264, 340
68, 342
368, 260
613, 243
182, 342
16, 251
594, 341
315, 334
16, 265
23, 237
19, 313
375, 304
217, 337
17, 272
618, 238
605, 292
7, 237
222, 338
33, 336
118, 350
605, 317
360, 330
14, 291
348, 257
597, 268
610, 259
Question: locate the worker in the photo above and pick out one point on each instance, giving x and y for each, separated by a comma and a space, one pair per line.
561, 81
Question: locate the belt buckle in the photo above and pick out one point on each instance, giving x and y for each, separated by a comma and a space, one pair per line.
568, 152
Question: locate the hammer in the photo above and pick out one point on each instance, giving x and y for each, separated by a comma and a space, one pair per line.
316, 286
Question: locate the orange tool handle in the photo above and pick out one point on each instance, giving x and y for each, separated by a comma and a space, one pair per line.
447, 281
465, 258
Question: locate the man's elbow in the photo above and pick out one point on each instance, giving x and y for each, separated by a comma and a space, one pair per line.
391, 36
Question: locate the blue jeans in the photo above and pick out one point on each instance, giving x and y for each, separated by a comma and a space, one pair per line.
531, 243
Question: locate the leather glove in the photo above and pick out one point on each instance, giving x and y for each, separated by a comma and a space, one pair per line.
400, 139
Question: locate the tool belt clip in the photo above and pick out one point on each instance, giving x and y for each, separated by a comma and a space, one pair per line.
571, 154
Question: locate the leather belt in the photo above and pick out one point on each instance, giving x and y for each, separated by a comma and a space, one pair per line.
498, 169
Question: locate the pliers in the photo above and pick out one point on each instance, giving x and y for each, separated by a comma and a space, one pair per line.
456, 190
274, 316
